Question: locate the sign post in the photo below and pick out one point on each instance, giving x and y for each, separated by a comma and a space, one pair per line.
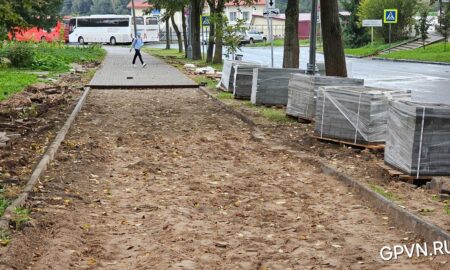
269, 12
311, 68
390, 17
205, 20
372, 24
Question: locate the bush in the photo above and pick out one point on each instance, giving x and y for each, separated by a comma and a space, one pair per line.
355, 35
374, 9
48, 56
20, 54
48, 62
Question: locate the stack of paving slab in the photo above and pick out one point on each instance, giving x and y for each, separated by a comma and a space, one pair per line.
227, 79
243, 78
354, 114
418, 140
270, 85
303, 93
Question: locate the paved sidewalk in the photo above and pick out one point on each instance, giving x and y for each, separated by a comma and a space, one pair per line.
117, 72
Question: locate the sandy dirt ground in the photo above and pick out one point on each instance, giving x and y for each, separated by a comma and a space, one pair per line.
362, 165
165, 179
31, 119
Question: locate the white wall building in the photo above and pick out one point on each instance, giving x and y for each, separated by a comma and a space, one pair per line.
241, 11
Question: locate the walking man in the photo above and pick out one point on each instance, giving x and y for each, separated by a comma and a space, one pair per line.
137, 44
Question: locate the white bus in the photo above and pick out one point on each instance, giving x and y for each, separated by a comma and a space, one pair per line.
148, 26
112, 29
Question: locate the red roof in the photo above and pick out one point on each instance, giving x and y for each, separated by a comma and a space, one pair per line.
242, 3
140, 4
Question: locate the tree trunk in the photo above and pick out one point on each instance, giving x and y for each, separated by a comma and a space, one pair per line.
219, 32
211, 43
333, 46
196, 11
291, 58
212, 33
185, 40
177, 31
167, 34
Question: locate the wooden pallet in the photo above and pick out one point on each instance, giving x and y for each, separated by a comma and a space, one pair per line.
394, 172
304, 120
375, 147
300, 119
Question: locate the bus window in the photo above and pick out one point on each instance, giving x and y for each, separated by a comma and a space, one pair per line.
103, 22
72, 25
139, 21
152, 21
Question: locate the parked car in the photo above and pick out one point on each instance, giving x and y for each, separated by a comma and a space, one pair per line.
252, 36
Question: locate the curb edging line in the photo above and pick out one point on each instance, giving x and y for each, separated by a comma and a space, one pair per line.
409, 61
44, 162
399, 216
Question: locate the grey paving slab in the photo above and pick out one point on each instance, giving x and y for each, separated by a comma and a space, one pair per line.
117, 71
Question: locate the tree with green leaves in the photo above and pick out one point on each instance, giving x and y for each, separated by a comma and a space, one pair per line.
218, 18
171, 7
373, 9
102, 7
120, 7
81, 7
67, 7
232, 37
354, 34
28, 13
423, 24
444, 21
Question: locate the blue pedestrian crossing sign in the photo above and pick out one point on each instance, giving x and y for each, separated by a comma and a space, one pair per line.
206, 21
390, 15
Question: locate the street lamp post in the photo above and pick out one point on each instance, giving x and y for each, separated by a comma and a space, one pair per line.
311, 70
134, 18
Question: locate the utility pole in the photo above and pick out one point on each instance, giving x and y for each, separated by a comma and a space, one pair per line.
134, 18
311, 69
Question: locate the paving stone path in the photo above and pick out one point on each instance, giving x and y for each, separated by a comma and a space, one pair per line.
117, 71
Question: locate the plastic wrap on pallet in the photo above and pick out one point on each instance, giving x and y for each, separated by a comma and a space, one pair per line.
418, 139
302, 92
356, 114
270, 85
243, 76
227, 79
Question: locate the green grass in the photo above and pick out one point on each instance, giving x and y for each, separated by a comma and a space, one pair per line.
447, 209
14, 80
204, 80
4, 203
432, 53
368, 50
273, 114
277, 43
5, 238
224, 95
21, 216
58, 57
387, 194
53, 57
176, 56
276, 115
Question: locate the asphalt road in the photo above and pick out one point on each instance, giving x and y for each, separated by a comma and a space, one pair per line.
429, 83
